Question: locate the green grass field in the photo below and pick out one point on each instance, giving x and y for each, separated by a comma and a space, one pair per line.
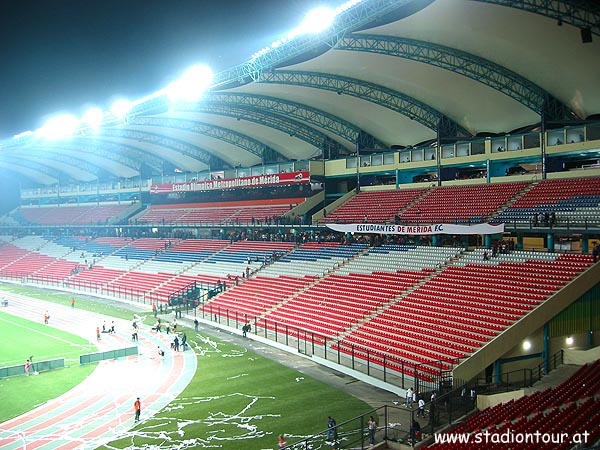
236, 400
22, 338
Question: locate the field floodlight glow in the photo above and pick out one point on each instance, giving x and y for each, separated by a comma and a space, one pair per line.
191, 86
317, 20
121, 107
59, 127
93, 118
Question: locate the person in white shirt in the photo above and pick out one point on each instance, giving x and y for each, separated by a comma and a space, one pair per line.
421, 411
409, 398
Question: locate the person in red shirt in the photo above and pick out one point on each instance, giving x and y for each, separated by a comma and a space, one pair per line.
138, 409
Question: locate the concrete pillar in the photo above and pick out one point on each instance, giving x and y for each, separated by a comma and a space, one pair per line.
520, 241
550, 242
585, 244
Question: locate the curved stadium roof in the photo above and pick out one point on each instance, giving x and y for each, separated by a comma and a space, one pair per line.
386, 73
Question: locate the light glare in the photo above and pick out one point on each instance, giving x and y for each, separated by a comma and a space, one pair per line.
23, 134
59, 127
121, 107
317, 20
93, 117
192, 84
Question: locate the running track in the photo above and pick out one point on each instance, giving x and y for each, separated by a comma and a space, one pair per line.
100, 409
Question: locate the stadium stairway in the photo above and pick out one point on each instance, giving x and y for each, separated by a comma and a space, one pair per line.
416, 200
554, 378
356, 327
315, 281
274, 313
387, 305
512, 200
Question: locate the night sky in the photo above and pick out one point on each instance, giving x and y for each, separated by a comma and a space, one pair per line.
67, 55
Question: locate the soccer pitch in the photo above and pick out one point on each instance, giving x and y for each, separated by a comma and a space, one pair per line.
21, 339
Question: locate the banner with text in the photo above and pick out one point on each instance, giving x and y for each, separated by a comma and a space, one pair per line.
440, 228
233, 183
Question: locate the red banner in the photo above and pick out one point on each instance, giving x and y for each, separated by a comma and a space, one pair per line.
233, 183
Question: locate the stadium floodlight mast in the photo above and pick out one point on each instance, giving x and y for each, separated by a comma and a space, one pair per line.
190, 87
58, 127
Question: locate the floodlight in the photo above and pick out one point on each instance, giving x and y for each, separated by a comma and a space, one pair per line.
526, 345
93, 117
121, 107
192, 84
317, 20
59, 127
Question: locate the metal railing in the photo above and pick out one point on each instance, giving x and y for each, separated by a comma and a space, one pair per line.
425, 376
521, 378
399, 423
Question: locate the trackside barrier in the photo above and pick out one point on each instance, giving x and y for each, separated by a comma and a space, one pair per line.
109, 354
36, 366
394, 424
